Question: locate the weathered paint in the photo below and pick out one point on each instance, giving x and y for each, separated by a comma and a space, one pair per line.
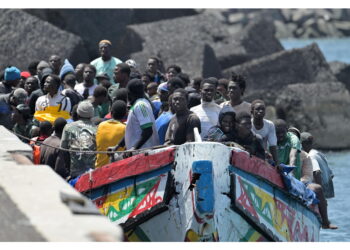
281, 216
201, 210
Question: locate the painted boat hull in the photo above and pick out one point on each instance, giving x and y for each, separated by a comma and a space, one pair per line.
199, 192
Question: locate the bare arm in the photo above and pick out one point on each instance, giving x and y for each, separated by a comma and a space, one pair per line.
273, 151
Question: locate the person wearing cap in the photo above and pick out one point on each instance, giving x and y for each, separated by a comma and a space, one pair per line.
23, 124
53, 96
24, 76
81, 135
12, 77
8, 102
106, 63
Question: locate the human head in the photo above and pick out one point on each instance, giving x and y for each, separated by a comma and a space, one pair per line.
55, 63
236, 87
31, 84
146, 79
222, 86
152, 65
196, 83
307, 141
163, 92
21, 112
208, 90
135, 90
43, 75
100, 94
194, 99
118, 109
85, 110
152, 89
45, 128
102, 76
12, 76
24, 76
295, 131
172, 71
89, 73
105, 47
121, 94
51, 84
243, 124
179, 101
227, 120
106, 83
18, 96
32, 67
41, 65
185, 78
132, 64
69, 81
281, 130
59, 125
258, 109
175, 83
122, 73
67, 68
79, 71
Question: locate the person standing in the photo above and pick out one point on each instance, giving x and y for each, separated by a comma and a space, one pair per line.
106, 63
87, 87
12, 77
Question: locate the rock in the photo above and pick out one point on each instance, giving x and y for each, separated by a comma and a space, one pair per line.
284, 30
342, 72
237, 18
93, 25
25, 38
287, 14
267, 76
343, 27
299, 16
320, 108
327, 28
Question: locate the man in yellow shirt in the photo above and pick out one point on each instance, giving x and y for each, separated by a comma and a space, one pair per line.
111, 132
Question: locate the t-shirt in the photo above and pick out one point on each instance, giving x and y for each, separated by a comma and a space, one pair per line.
80, 88
109, 133
106, 66
180, 126
80, 135
284, 148
140, 117
244, 106
208, 114
47, 100
162, 124
267, 132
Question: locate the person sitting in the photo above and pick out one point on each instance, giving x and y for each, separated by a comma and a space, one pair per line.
23, 124
181, 125
208, 111
288, 147
265, 128
236, 88
250, 141
51, 155
110, 132
225, 130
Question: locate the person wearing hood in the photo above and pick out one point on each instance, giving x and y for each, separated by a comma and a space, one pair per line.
208, 111
224, 131
66, 69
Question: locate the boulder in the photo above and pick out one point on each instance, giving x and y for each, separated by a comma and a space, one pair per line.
93, 25
342, 72
256, 40
319, 108
267, 76
25, 38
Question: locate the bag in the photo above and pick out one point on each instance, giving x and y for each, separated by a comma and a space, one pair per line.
51, 113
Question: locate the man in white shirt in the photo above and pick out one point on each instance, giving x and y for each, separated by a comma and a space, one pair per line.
87, 87
265, 128
208, 111
53, 96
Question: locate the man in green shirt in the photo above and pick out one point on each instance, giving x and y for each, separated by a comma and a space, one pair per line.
288, 147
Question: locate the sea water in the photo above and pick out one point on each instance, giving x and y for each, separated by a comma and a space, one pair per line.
334, 49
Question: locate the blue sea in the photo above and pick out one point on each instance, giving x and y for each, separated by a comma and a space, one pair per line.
334, 49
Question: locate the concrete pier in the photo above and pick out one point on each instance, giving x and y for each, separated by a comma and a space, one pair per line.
31, 208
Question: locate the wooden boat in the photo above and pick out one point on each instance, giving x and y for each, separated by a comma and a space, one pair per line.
200, 191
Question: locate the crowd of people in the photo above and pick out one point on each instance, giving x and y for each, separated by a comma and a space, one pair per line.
110, 105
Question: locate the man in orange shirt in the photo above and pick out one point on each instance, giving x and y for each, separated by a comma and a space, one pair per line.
110, 132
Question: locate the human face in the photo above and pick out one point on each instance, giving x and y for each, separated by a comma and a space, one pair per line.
145, 80
244, 127
89, 74
234, 91
171, 73
221, 89
307, 145
258, 111
105, 50
179, 102
79, 71
281, 133
208, 92
152, 65
55, 62
118, 75
227, 123
164, 95
50, 86
30, 84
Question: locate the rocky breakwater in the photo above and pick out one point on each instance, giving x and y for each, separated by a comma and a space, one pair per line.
25, 38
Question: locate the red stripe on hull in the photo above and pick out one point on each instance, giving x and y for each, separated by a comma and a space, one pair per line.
254, 165
134, 165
